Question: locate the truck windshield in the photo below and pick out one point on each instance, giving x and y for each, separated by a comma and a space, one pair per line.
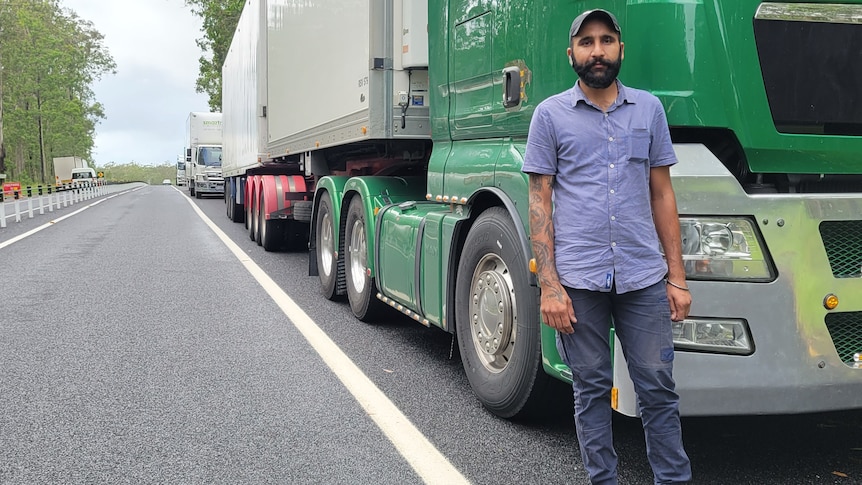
210, 156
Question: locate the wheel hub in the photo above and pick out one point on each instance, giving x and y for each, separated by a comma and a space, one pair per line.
327, 245
358, 256
491, 314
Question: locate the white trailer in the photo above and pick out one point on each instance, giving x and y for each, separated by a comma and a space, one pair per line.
360, 110
244, 108
204, 153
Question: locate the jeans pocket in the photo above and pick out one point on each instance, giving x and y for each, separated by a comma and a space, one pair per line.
561, 349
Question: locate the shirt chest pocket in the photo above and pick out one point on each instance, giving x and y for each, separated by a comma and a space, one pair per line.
639, 145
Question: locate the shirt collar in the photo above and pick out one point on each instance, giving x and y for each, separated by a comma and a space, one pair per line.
623, 96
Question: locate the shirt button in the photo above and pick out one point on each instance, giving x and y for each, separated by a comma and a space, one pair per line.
614, 244
612, 165
613, 218
611, 139
612, 191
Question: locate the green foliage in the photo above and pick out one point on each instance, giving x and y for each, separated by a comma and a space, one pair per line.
49, 59
131, 172
219, 22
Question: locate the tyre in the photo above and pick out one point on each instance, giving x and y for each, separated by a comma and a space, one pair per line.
361, 290
251, 218
234, 210
271, 230
497, 318
258, 219
227, 203
247, 214
326, 248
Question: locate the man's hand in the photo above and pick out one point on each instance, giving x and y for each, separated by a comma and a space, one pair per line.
557, 310
680, 303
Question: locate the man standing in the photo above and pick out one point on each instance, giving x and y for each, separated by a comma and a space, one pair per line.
601, 201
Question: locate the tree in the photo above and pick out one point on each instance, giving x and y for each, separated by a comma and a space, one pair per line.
220, 18
50, 59
4, 13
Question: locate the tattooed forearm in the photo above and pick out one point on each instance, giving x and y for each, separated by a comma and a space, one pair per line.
542, 228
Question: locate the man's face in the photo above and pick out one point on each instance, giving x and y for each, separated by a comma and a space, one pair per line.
596, 54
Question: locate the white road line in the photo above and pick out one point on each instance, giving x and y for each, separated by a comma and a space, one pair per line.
425, 459
54, 221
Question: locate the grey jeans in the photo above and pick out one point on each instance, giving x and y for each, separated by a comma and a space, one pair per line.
641, 320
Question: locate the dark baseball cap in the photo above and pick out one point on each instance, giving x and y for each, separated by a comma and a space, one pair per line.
580, 19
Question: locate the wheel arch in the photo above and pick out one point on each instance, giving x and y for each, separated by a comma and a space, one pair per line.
273, 189
480, 201
333, 187
375, 193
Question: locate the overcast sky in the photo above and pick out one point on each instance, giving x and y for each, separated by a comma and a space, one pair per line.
148, 100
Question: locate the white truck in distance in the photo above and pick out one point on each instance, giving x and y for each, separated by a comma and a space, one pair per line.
204, 154
182, 181
64, 166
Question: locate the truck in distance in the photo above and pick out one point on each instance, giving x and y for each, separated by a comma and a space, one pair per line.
181, 179
203, 154
64, 167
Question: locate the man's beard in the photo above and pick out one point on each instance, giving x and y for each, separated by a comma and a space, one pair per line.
598, 80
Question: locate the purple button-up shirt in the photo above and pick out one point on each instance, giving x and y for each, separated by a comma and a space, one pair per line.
604, 232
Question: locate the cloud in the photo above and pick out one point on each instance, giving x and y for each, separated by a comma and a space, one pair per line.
148, 100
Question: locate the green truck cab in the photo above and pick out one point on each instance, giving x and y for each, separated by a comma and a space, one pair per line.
410, 160
763, 103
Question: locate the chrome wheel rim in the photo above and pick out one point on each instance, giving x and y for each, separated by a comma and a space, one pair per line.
493, 313
358, 252
327, 245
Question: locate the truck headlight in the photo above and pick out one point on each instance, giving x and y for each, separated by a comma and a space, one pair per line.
725, 336
717, 248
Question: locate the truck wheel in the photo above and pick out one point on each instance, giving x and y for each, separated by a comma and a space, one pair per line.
258, 221
361, 290
235, 212
497, 318
271, 231
326, 248
248, 219
252, 219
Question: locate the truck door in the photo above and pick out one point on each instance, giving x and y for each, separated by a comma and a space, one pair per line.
475, 66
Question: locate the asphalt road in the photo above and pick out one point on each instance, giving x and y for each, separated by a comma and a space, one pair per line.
135, 347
